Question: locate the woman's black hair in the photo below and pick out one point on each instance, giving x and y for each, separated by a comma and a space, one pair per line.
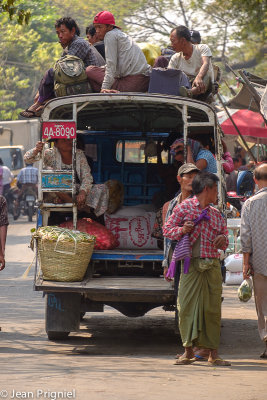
69, 23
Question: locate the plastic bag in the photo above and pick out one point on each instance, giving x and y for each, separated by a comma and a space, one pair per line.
245, 290
105, 240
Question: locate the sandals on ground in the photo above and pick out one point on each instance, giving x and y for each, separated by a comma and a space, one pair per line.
184, 361
219, 362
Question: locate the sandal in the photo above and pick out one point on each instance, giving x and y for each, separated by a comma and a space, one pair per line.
219, 362
34, 111
184, 361
28, 113
264, 354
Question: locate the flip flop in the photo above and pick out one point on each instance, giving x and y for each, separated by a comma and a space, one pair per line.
219, 362
28, 113
184, 361
200, 358
32, 113
197, 357
264, 354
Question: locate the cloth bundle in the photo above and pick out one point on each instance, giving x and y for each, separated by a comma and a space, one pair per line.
182, 249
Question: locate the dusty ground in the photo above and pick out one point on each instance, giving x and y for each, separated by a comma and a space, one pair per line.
114, 357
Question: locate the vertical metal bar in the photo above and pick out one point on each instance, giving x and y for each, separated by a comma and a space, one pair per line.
99, 163
40, 167
75, 213
122, 161
185, 116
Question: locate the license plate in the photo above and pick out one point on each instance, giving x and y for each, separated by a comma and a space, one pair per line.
59, 130
54, 181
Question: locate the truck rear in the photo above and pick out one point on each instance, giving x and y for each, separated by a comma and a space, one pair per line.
126, 138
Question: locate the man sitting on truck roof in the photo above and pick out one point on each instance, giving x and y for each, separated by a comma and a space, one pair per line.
68, 34
126, 69
193, 59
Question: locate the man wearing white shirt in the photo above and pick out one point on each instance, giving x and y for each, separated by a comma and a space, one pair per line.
193, 59
7, 176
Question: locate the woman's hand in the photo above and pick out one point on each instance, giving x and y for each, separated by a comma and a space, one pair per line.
188, 227
190, 155
81, 198
38, 148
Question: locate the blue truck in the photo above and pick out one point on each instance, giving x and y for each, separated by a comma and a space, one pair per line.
116, 131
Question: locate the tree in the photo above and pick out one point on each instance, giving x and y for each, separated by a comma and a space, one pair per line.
15, 9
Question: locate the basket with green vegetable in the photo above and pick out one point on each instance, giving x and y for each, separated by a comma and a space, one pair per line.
64, 254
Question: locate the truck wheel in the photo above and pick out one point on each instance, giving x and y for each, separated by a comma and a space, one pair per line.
62, 314
53, 335
15, 210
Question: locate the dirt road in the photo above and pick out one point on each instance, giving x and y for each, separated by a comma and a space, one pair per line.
115, 357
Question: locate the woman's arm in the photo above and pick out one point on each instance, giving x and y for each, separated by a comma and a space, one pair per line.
201, 164
84, 172
34, 154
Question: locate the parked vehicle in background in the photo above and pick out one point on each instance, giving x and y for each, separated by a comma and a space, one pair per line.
12, 157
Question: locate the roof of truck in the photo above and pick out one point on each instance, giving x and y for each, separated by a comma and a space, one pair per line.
132, 111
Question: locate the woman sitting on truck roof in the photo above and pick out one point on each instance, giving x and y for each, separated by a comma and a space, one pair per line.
60, 158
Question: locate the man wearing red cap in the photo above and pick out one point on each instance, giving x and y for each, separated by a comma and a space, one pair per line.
126, 69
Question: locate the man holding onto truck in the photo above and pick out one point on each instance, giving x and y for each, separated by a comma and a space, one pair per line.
126, 69
200, 288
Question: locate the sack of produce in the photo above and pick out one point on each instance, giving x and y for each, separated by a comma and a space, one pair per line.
133, 232
105, 240
245, 290
233, 278
64, 254
234, 263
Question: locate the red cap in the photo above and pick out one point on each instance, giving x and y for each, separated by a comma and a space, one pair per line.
104, 17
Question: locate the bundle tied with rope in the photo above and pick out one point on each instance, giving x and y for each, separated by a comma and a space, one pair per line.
63, 254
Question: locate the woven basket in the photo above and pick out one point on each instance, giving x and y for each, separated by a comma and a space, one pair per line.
64, 261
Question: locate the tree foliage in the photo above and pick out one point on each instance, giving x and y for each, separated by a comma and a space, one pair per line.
15, 9
234, 29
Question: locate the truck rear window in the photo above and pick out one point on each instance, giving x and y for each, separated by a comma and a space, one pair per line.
134, 152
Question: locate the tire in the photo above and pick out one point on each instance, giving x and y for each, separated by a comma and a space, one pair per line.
30, 213
15, 210
54, 335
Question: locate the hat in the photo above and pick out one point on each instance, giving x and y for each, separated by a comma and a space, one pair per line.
187, 168
195, 37
104, 17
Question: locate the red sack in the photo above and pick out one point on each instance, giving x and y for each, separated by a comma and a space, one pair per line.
105, 239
